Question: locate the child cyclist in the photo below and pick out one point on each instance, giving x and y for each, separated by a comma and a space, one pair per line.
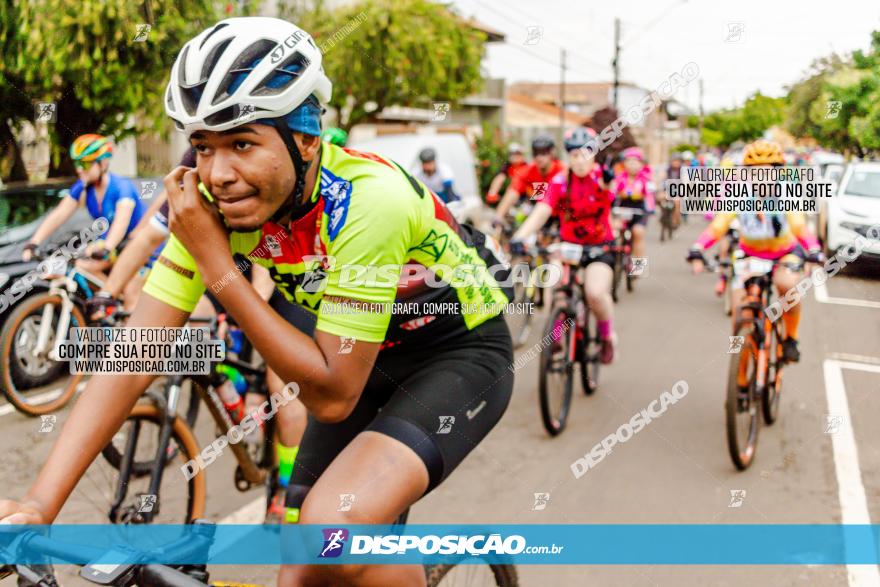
634, 188
581, 199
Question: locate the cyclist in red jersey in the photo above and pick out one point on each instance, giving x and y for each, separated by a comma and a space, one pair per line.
581, 198
516, 161
533, 180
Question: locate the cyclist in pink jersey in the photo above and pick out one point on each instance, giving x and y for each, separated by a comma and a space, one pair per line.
634, 188
581, 199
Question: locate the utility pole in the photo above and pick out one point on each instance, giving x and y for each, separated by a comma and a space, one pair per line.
700, 127
616, 61
561, 95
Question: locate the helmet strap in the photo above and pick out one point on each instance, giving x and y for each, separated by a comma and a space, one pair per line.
294, 204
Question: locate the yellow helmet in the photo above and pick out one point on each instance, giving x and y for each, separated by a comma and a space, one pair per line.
763, 153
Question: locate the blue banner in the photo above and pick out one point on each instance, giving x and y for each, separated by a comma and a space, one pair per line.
618, 544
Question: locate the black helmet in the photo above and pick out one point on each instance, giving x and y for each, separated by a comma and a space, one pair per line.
543, 143
427, 155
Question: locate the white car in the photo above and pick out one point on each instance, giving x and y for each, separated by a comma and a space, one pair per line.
855, 208
452, 149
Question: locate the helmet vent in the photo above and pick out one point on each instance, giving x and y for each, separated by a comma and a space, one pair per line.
282, 76
222, 25
243, 65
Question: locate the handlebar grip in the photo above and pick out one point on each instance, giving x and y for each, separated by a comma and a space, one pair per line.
162, 576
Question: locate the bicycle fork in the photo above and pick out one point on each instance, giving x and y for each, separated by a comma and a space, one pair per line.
168, 408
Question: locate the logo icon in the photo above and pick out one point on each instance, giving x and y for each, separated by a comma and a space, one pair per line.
639, 265
148, 188
736, 498
533, 35
273, 245
441, 109
45, 111
334, 540
244, 112
434, 244
832, 423
472, 413
541, 500
313, 280
832, 109
47, 423
736, 344
346, 500
735, 32
142, 32
446, 423
346, 343
539, 189
148, 500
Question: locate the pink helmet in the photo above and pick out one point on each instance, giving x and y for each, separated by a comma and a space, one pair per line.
634, 153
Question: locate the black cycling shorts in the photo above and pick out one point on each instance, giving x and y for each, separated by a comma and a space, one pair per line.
439, 401
606, 257
641, 219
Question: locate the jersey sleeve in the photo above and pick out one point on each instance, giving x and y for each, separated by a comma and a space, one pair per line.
555, 193
174, 278
368, 252
518, 181
716, 229
127, 191
76, 191
798, 223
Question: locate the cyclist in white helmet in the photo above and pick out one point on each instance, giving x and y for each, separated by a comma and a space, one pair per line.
248, 92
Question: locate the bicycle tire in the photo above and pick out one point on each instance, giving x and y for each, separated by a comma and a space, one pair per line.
505, 575
617, 275
775, 364
7, 339
183, 435
555, 423
589, 364
141, 468
742, 456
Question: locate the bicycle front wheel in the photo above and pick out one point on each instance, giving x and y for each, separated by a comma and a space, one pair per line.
556, 370
742, 398
181, 500
35, 384
775, 363
520, 322
472, 575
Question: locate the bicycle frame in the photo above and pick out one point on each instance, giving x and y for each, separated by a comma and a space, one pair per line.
65, 287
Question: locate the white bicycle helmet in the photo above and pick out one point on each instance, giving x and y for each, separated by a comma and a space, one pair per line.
244, 69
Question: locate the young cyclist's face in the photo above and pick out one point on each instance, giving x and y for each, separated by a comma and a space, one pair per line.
516, 158
633, 165
89, 172
543, 159
248, 171
580, 161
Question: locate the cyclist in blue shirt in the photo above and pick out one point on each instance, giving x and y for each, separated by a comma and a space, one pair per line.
106, 195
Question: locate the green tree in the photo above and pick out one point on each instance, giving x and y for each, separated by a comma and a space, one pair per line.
806, 92
394, 52
97, 62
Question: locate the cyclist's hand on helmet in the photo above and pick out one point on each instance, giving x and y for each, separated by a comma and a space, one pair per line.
13, 512
97, 305
695, 258
195, 221
517, 248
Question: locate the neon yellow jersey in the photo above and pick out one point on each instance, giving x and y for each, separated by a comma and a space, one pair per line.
374, 236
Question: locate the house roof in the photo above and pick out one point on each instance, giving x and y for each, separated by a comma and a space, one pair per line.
527, 111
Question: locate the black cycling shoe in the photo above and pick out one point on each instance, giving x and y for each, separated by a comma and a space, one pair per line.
790, 352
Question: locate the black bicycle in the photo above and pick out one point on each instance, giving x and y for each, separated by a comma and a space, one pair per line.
623, 262
570, 337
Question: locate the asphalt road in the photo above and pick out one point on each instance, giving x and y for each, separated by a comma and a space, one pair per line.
819, 464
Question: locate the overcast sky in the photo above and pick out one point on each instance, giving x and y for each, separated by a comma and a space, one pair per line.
778, 40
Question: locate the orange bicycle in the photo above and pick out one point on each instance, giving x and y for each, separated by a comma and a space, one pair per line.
755, 372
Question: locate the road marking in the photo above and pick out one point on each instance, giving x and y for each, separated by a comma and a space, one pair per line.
251, 513
821, 294
851, 491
